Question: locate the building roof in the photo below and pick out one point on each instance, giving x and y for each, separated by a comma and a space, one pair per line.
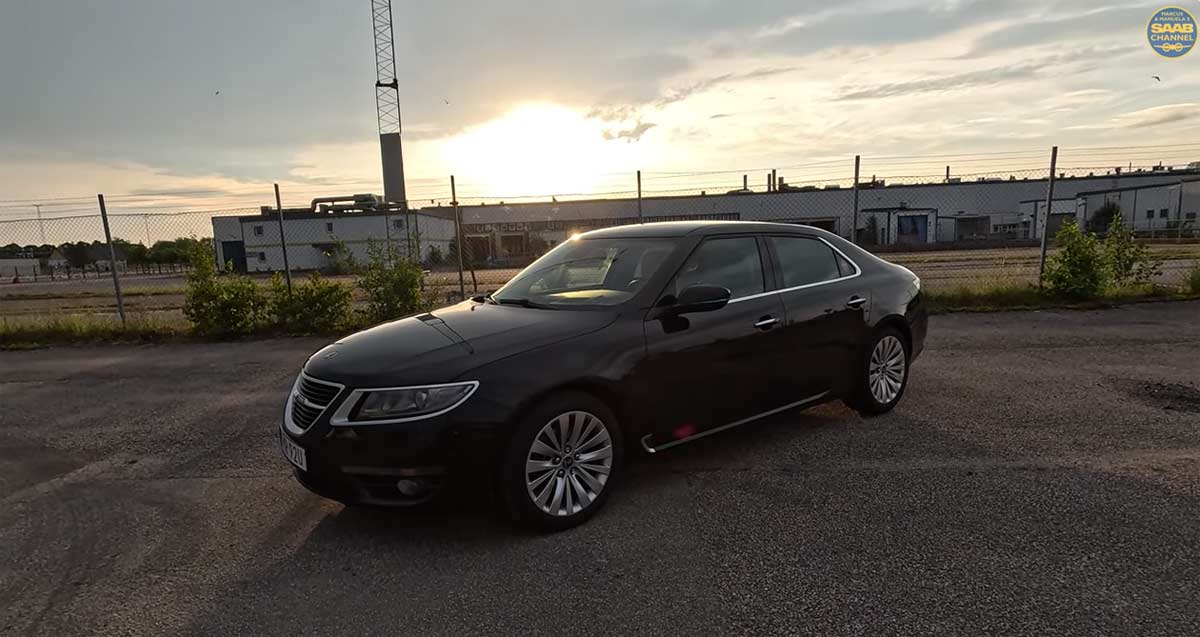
1132, 188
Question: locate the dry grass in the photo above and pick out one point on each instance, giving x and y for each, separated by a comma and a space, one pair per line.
28, 332
991, 298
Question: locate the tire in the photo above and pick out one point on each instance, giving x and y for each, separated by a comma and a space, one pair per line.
876, 392
537, 470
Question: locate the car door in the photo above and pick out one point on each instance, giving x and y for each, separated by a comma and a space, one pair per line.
707, 369
824, 302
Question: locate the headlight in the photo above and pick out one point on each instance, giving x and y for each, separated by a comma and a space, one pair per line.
398, 404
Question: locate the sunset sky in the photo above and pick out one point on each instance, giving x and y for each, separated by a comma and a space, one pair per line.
120, 96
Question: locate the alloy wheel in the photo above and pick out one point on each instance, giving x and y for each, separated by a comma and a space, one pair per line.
887, 368
568, 463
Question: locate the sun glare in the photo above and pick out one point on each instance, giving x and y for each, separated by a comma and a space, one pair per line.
536, 149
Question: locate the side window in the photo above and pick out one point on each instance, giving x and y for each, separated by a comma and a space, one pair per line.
844, 265
730, 263
803, 261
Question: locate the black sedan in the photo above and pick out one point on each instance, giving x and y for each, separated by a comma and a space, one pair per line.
635, 337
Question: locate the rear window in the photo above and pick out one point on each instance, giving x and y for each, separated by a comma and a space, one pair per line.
803, 261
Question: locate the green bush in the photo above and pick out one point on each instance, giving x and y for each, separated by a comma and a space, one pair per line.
1192, 282
1078, 270
392, 285
435, 257
1128, 261
227, 305
1102, 219
341, 259
314, 306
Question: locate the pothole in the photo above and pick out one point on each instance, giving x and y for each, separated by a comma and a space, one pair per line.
1170, 396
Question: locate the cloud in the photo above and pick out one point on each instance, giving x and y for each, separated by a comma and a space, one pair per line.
1159, 115
986, 77
1056, 31
682, 93
959, 81
719, 116
630, 135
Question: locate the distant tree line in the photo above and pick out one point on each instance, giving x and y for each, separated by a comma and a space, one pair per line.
81, 253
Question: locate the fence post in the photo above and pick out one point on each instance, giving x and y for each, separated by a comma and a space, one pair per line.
416, 223
287, 269
112, 260
458, 238
854, 223
1049, 207
639, 185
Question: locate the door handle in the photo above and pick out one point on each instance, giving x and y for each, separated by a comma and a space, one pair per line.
855, 302
766, 323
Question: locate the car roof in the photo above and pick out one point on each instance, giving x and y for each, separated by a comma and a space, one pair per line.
684, 228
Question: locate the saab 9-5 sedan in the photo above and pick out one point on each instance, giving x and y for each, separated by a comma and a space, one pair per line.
639, 337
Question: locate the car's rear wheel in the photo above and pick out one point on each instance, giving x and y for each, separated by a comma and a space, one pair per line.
562, 462
882, 373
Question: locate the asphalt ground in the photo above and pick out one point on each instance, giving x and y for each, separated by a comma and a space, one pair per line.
1040, 477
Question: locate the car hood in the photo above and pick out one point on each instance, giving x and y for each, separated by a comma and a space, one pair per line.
442, 345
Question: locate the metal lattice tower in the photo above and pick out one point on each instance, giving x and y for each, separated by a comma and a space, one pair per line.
387, 102
387, 89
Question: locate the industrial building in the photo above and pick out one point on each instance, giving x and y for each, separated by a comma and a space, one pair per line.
993, 209
317, 240
912, 214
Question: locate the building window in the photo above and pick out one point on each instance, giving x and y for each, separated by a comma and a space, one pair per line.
1162, 214
398, 224
1149, 214
262, 257
1190, 216
328, 226
258, 231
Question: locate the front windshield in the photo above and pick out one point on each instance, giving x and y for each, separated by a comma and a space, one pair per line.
588, 272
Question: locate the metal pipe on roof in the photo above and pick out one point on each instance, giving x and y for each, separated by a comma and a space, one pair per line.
312, 207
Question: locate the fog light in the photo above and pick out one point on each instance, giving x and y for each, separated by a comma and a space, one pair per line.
412, 488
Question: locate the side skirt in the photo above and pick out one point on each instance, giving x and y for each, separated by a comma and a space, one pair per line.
650, 448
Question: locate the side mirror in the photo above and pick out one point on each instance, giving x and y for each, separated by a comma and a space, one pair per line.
701, 298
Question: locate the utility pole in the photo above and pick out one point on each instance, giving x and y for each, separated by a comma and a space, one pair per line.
1046, 220
854, 226
146, 224
287, 270
639, 180
112, 260
41, 224
462, 283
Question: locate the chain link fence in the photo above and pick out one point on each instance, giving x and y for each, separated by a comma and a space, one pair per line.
976, 228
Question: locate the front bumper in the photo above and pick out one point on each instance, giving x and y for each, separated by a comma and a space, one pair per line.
368, 466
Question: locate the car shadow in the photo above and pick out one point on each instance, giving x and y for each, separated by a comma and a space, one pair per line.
465, 534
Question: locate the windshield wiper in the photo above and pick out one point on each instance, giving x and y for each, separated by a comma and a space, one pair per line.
524, 303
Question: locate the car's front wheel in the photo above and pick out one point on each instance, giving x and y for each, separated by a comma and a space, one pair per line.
882, 373
562, 462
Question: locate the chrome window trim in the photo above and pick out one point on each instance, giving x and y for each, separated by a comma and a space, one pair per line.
290, 424
341, 417
857, 271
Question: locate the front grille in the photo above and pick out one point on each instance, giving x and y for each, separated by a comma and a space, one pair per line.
310, 399
318, 392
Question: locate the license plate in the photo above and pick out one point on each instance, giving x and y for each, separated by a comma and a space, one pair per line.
293, 452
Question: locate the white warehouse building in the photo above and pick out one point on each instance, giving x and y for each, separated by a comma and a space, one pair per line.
314, 239
911, 214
